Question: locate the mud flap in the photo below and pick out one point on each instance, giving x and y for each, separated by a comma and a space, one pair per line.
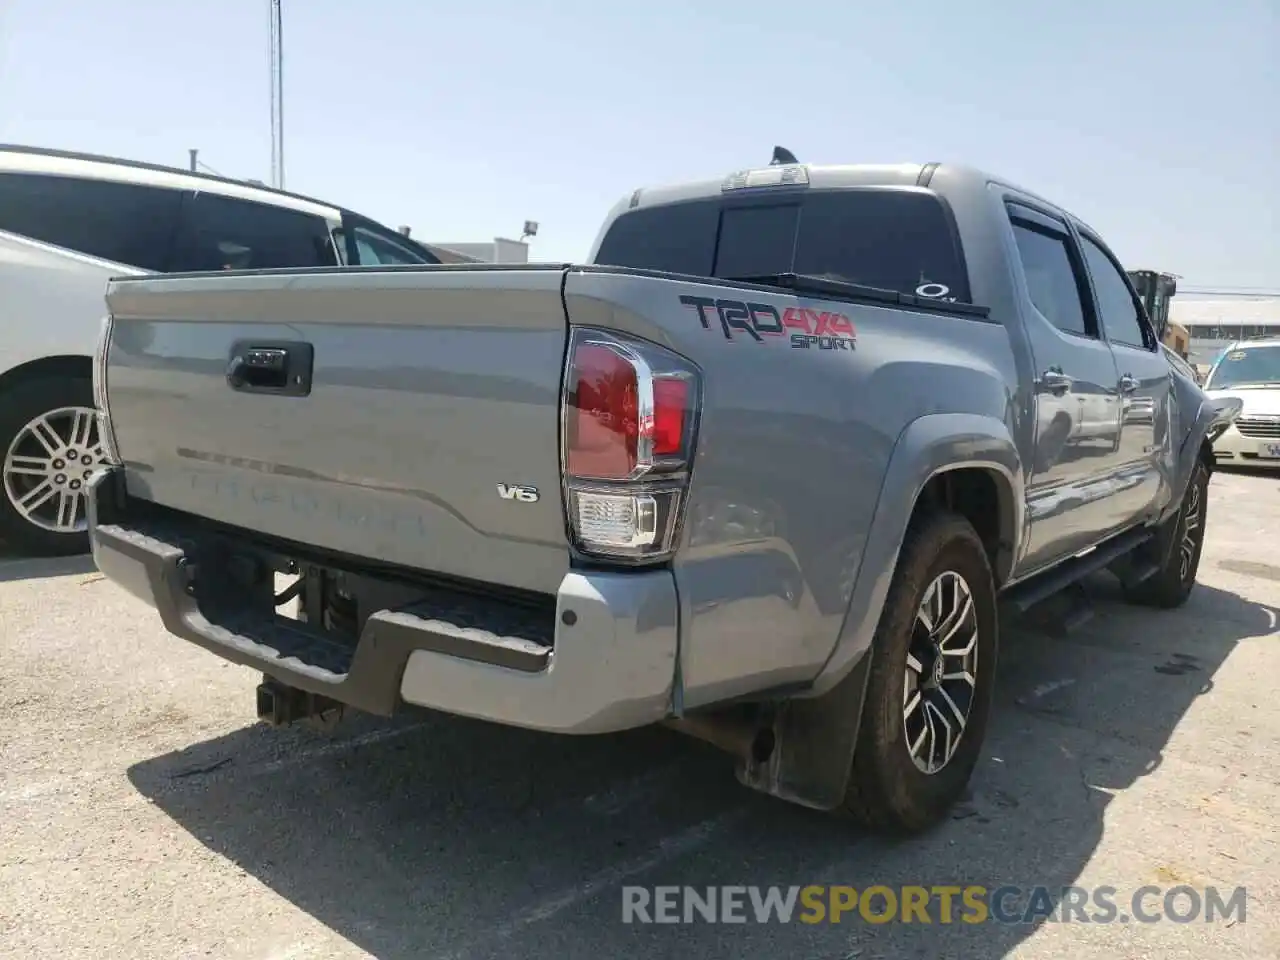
814, 741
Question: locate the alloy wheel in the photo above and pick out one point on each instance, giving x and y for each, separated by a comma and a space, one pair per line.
940, 681
1190, 530
48, 465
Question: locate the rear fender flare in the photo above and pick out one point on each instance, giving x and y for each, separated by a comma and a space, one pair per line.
929, 446
815, 733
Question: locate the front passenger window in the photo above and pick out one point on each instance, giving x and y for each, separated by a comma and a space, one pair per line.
1116, 304
377, 250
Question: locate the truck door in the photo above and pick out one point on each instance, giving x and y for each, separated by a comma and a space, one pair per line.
1146, 448
1077, 409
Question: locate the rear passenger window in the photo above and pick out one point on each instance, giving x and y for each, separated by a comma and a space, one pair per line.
1052, 282
122, 222
224, 233
1116, 304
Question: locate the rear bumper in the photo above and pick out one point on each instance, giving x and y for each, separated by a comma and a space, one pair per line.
1233, 447
606, 663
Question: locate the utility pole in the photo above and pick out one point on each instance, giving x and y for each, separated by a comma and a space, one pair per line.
277, 95
193, 159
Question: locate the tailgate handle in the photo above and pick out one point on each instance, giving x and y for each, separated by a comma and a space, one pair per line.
277, 367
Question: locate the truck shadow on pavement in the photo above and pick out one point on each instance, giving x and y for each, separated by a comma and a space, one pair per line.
435, 836
14, 567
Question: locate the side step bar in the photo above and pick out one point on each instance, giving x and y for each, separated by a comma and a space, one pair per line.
1025, 595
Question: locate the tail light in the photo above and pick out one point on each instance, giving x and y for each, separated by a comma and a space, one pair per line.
106, 437
630, 424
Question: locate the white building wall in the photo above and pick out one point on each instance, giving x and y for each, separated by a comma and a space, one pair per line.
1213, 324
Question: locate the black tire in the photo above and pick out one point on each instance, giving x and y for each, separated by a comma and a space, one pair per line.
887, 791
1172, 584
19, 406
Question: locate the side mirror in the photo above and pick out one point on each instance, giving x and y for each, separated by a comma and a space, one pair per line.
1225, 412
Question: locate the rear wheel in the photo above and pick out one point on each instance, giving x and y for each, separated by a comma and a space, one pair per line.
931, 679
49, 446
1177, 549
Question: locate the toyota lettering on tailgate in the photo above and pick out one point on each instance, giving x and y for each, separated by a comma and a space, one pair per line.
807, 329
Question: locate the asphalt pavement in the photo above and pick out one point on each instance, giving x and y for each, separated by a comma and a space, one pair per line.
144, 815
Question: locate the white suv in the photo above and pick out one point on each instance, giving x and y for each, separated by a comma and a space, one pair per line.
1249, 370
70, 221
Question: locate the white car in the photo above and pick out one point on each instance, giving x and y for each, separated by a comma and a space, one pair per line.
1250, 371
70, 221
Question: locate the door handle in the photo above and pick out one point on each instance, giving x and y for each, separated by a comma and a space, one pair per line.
1055, 381
1128, 384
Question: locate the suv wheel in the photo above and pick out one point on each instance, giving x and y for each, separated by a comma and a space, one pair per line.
931, 679
49, 447
1177, 547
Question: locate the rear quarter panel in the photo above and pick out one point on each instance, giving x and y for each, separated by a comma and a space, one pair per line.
51, 301
794, 449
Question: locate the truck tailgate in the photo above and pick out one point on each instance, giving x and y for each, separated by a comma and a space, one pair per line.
433, 392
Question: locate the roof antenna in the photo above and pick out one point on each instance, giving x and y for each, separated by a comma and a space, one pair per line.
782, 155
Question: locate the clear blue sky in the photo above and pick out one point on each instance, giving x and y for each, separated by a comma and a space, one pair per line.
1158, 121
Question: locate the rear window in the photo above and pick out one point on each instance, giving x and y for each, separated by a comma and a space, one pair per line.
894, 239
227, 233
122, 222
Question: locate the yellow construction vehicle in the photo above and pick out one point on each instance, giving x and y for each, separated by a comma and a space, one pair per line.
1156, 289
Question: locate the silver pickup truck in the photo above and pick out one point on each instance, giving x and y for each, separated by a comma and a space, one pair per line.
764, 470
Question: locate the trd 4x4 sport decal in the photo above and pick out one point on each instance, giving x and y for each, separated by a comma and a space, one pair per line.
807, 329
